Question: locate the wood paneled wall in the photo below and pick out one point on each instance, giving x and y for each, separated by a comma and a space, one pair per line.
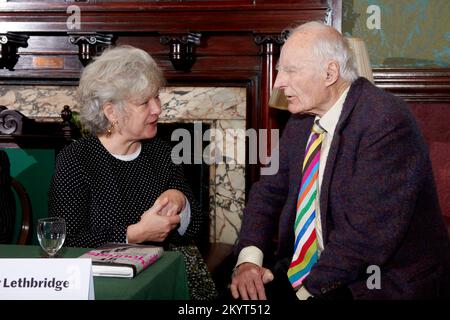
239, 41
239, 46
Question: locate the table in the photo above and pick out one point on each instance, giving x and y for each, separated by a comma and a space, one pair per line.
163, 280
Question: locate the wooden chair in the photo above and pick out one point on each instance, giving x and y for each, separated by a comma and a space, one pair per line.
433, 119
8, 205
19, 131
25, 204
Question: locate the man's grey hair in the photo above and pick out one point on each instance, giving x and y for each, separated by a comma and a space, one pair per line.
120, 75
328, 48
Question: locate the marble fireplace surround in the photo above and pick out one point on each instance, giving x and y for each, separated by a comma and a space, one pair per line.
221, 107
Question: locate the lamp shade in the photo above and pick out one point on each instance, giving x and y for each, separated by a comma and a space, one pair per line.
278, 100
361, 57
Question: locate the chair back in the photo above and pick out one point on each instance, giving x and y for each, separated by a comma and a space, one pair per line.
25, 204
8, 205
433, 119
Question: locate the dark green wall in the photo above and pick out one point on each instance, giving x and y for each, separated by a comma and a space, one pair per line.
34, 169
412, 33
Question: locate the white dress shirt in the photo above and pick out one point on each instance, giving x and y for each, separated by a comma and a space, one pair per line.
328, 121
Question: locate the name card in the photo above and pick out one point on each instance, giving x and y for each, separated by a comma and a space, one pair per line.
46, 279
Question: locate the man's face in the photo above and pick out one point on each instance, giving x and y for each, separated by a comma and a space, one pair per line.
301, 77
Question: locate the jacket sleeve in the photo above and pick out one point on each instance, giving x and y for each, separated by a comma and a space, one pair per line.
266, 200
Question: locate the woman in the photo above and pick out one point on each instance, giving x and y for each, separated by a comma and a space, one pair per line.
118, 184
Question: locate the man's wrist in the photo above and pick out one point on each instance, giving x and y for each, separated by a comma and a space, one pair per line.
235, 269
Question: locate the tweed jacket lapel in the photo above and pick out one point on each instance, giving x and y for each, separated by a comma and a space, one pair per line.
349, 104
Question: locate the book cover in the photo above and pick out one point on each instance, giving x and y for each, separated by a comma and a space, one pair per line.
122, 260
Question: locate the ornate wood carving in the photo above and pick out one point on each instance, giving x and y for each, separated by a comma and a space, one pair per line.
67, 126
90, 44
182, 50
11, 121
270, 47
269, 50
9, 43
19, 131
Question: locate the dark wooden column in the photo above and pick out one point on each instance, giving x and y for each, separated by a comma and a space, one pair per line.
270, 48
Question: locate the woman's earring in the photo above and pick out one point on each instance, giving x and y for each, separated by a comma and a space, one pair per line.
110, 130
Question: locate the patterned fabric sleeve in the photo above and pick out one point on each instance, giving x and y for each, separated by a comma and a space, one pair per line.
266, 198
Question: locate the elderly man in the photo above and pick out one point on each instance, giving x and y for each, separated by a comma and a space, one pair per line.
353, 206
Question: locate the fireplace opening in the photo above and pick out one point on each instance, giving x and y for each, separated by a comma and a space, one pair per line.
196, 174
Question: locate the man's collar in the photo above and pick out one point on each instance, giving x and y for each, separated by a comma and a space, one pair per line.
330, 119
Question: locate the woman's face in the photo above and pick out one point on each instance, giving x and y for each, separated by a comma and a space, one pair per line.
140, 119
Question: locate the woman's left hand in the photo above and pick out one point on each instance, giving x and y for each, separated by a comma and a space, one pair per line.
176, 204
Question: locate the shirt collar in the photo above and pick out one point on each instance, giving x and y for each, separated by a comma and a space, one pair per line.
129, 157
330, 119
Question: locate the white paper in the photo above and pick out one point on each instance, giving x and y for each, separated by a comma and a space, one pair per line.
111, 271
46, 279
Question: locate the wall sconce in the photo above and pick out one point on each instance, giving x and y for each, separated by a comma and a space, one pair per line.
278, 100
9, 43
182, 50
90, 44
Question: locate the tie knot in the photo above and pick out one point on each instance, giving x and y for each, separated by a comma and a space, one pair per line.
317, 128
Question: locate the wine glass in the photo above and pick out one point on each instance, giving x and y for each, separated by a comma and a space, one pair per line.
51, 234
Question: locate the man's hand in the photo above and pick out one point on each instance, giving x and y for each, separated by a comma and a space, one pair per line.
248, 282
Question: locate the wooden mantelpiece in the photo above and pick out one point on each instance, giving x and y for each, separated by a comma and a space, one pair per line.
228, 28
238, 45
238, 15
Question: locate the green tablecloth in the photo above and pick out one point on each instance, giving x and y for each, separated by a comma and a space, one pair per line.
163, 280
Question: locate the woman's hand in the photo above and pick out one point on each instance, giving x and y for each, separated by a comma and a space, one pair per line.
154, 225
176, 202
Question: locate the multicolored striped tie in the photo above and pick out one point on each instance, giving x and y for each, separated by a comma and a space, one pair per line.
305, 248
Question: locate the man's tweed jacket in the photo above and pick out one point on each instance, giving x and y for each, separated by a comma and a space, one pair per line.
378, 203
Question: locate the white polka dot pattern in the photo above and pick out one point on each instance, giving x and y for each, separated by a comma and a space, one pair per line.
99, 195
